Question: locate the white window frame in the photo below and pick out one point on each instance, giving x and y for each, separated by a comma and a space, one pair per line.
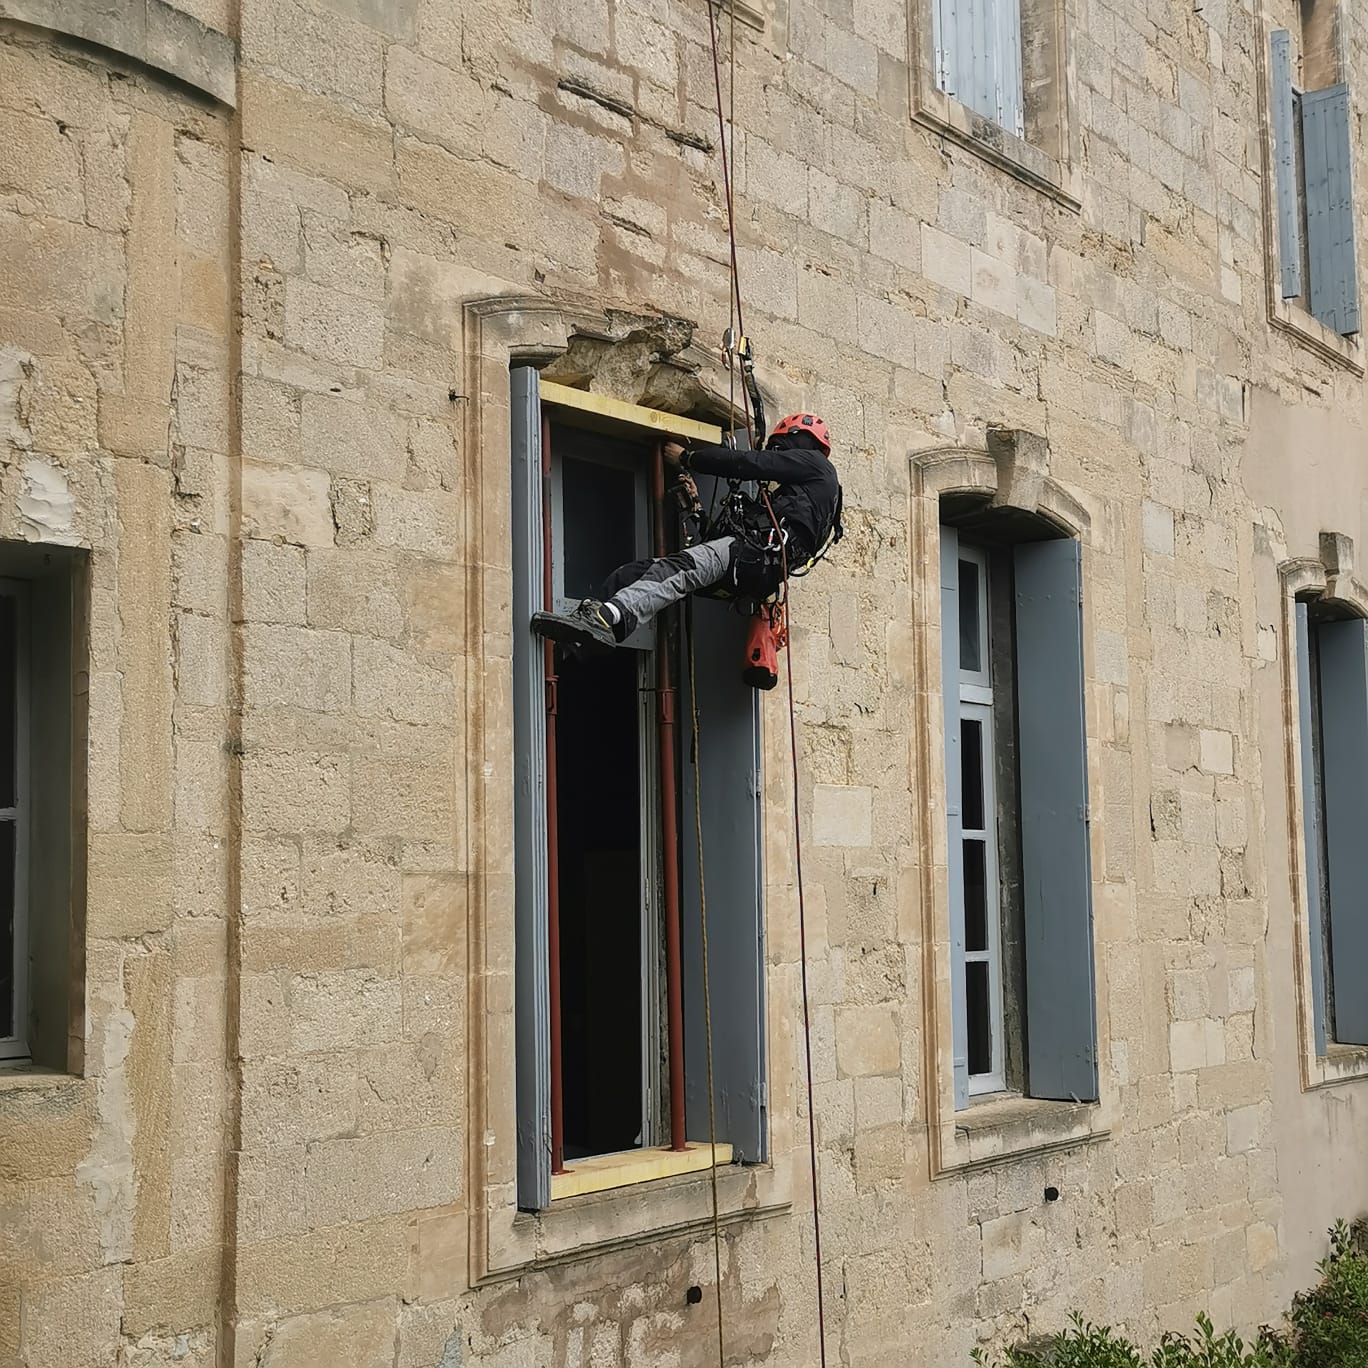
15, 1047
976, 705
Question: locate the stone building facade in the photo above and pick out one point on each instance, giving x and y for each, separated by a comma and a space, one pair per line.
264, 267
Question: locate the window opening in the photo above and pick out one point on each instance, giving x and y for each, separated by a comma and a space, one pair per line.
14, 939
1311, 121
609, 1035
979, 58
1019, 877
1332, 679
1321, 864
979, 830
608, 813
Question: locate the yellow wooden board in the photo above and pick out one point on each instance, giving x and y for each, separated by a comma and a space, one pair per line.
606, 1171
613, 411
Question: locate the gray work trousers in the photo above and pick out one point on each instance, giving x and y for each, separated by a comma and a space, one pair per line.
668, 579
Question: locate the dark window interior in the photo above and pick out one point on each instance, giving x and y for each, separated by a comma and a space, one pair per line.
600, 802
599, 812
9, 668
43, 672
600, 513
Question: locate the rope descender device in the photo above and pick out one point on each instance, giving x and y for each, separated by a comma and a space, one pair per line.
740, 356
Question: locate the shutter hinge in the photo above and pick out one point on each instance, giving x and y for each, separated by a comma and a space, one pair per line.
754, 784
1087, 813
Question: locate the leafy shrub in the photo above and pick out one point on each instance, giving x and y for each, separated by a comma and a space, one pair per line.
1080, 1346
1327, 1327
1093, 1346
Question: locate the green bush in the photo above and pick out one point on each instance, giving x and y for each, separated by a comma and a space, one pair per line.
1327, 1327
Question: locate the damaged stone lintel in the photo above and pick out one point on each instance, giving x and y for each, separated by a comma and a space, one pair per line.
642, 360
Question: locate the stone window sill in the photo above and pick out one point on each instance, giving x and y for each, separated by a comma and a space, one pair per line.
583, 1227
947, 116
17, 1075
1006, 1127
604, 1172
1290, 317
745, 14
1339, 1064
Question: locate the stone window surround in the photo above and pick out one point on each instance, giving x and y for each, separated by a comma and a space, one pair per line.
506, 1242
1283, 314
1331, 576
1050, 163
997, 1129
157, 33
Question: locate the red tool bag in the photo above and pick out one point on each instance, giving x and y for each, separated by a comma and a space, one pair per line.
766, 635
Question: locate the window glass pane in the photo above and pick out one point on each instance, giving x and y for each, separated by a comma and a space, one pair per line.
971, 777
975, 897
971, 654
980, 1027
8, 1026
9, 667
599, 526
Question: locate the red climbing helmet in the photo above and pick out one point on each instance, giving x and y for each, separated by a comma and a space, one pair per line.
805, 422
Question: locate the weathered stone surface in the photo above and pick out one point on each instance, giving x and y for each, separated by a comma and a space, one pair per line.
271, 400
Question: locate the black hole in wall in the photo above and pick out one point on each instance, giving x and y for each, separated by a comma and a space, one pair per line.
694, 1295
1052, 1194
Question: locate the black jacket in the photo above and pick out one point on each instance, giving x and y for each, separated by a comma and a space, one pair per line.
808, 495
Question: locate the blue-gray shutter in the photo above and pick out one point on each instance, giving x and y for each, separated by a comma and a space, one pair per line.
1282, 99
1327, 156
950, 672
1343, 653
723, 780
978, 57
1061, 1021
1311, 826
532, 1020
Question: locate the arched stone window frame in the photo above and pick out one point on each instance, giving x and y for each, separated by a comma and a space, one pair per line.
1012, 472
499, 333
1330, 577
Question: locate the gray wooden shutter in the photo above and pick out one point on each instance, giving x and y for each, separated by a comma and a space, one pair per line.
1011, 112
1328, 158
723, 781
532, 1021
1343, 652
1282, 98
1061, 1023
978, 57
950, 671
1311, 826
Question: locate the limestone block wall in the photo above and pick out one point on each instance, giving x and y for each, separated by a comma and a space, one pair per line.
245, 361
115, 347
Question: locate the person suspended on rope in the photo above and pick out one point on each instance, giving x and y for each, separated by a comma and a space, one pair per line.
741, 554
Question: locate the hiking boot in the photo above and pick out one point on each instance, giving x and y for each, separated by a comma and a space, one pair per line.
587, 623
